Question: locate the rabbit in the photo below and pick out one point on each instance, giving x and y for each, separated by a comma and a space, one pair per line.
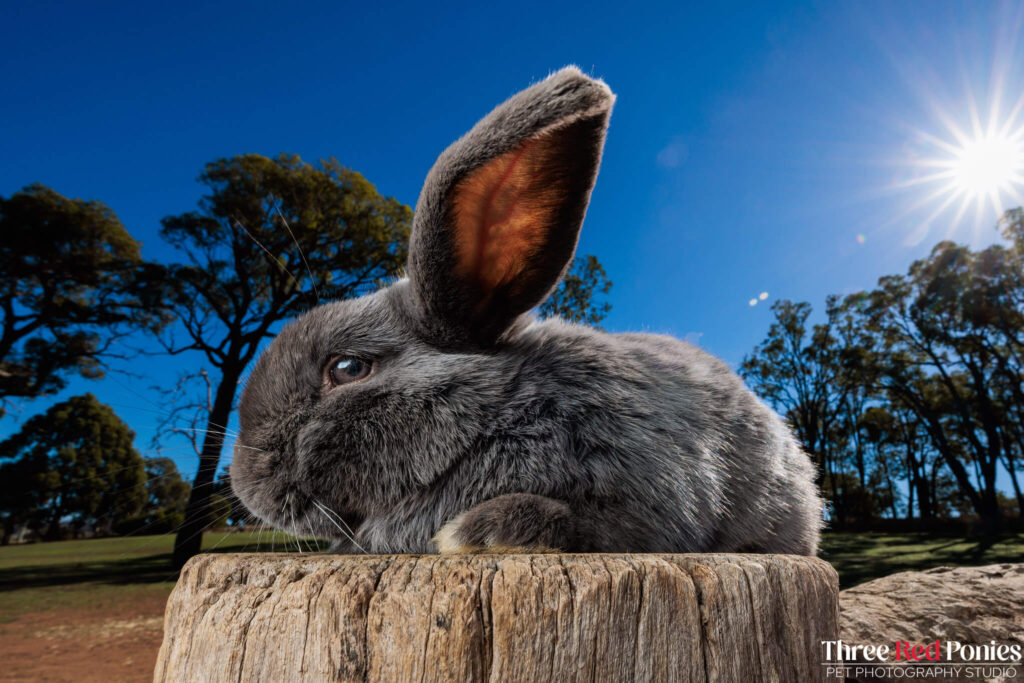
438, 415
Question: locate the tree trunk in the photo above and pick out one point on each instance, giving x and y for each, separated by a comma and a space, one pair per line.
1012, 471
892, 493
976, 605
991, 522
53, 531
499, 617
189, 540
925, 497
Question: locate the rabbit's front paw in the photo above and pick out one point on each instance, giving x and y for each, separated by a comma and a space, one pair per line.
513, 523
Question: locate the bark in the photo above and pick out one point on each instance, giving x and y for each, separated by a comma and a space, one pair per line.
975, 605
1012, 471
189, 540
499, 617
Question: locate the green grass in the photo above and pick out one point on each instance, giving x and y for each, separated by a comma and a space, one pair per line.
105, 573
860, 557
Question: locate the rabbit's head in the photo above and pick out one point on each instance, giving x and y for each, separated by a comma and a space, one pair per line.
359, 404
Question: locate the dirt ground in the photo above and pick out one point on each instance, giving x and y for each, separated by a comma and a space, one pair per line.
83, 645
92, 609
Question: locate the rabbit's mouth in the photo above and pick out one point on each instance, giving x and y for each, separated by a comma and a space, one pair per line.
263, 486
305, 516
290, 507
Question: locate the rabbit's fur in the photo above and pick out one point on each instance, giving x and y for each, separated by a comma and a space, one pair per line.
481, 428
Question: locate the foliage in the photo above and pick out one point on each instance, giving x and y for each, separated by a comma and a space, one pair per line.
237, 515
909, 396
71, 281
73, 465
270, 239
218, 511
166, 497
576, 298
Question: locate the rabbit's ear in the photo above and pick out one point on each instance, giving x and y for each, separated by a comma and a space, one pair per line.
499, 215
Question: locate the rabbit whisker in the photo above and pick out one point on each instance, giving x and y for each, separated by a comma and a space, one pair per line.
324, 511
312, 279
309, 527
338, 517
267, 251
293, 530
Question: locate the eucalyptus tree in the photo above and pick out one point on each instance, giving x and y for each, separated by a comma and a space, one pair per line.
74, 463
270, 239
71, 282
798, 370
579, 296
948, 348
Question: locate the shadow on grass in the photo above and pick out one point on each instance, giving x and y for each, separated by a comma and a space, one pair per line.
857, 557
865, 556
132, 569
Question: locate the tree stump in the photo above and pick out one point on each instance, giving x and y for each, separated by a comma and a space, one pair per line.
969, 605
264, 617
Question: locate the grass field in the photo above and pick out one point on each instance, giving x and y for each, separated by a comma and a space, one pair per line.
860, 557
87, 573
91, 610
94, 573
97, 573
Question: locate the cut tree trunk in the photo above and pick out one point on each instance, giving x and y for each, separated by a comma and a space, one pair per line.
555, 617
968, 605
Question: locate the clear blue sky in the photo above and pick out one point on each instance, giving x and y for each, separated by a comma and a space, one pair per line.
754, 148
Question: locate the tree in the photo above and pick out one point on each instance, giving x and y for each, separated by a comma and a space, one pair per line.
271, 238
71, 280
798, 370
238, 514
917, 380
167, 491
218, 511
576, 297
937, 360
79, 465
166, 498
22, 485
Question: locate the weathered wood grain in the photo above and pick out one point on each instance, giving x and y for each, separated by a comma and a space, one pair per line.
499, 617
969, 605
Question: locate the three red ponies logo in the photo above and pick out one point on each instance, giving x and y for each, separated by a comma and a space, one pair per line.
948, 659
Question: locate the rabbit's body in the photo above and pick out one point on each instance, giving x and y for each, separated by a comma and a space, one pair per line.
480, 428
655, 445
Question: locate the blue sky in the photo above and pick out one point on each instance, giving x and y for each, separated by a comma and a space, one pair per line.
753, 148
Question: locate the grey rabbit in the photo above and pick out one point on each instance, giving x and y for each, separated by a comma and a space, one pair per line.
439, 414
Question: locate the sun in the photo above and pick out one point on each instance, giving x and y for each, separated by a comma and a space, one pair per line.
988, 165
983, 169
978, 166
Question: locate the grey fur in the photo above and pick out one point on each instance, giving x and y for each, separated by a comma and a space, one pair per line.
534, 433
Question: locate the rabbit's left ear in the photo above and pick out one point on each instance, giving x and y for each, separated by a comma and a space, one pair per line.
497, 221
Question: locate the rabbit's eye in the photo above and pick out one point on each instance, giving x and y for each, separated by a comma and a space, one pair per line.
346, 370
